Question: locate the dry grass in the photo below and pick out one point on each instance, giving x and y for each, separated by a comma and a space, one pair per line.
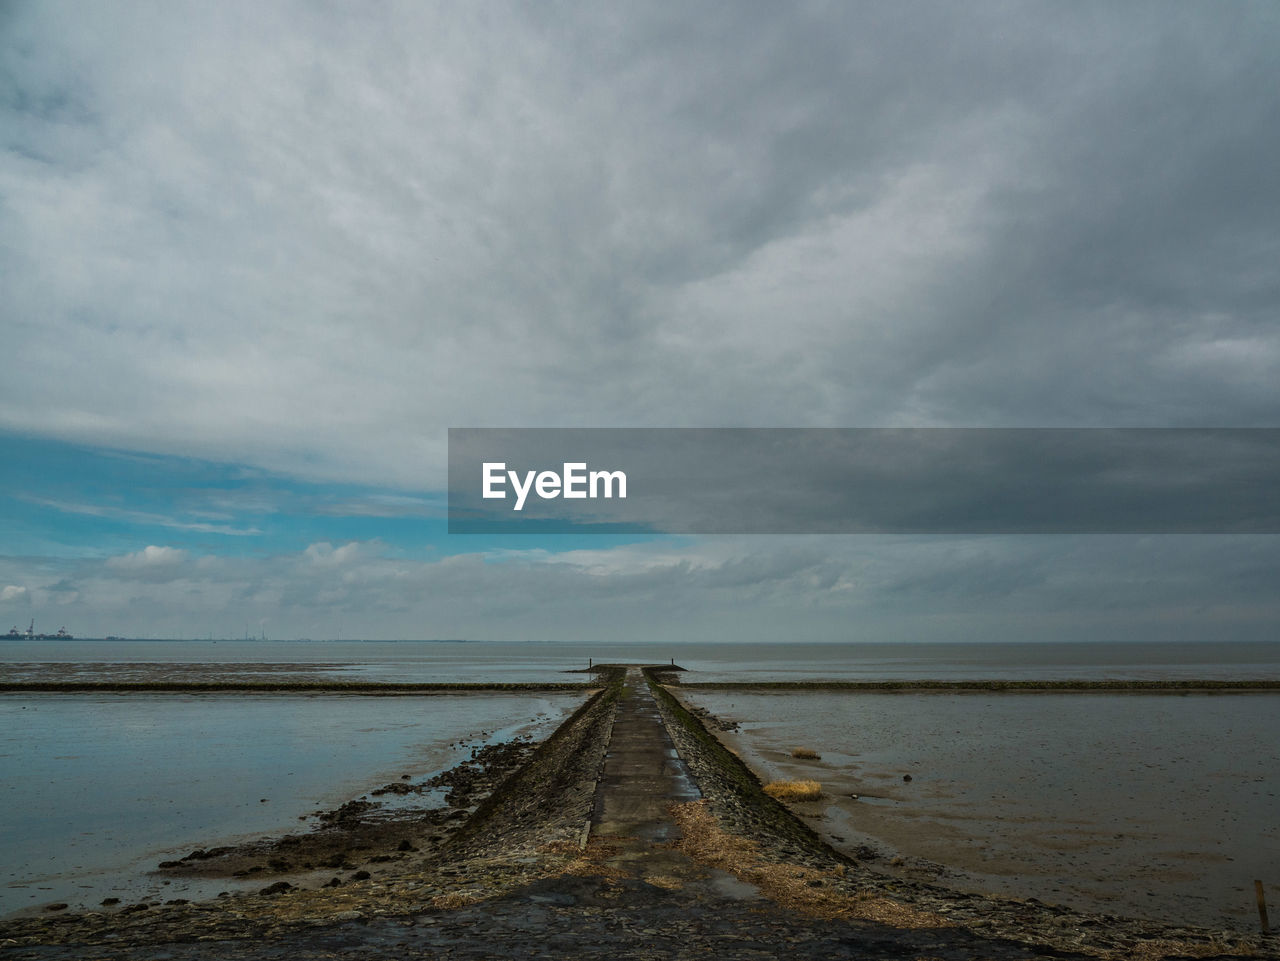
454, 900
1158, 948
665, 881
561, 847
593, 861
794, 790
805, 754
794, 886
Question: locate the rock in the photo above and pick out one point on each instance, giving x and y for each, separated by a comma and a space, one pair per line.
107, 902
59, 906
200, 854
361, 876
396, 787
278, 888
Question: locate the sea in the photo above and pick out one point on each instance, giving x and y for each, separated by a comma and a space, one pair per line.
1155, 805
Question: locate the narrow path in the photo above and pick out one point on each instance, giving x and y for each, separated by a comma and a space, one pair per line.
631, 827
643, 775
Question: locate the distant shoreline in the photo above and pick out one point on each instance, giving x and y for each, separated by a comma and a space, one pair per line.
384, 688
377, 688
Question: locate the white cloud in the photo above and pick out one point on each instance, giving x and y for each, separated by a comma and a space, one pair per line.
733, 588
325, 554
12, 592
140, 517
150, 558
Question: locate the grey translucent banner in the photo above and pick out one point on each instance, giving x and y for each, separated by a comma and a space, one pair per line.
864, 480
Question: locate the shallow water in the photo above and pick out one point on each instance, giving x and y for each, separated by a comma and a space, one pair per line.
1137, 804
95, 790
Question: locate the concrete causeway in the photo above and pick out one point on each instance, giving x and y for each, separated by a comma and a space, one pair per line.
643, 775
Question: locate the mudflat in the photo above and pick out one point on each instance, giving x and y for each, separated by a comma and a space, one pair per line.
630, 832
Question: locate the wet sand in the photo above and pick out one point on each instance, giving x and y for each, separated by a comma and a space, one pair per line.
1109, 819
515, 879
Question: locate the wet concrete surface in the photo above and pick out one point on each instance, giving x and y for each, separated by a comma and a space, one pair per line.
643, 776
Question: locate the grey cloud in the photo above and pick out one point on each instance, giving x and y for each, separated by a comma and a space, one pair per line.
772, 589
307, 238
310, 239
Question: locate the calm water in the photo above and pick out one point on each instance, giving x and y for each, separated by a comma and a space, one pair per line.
1137, 804
95, 790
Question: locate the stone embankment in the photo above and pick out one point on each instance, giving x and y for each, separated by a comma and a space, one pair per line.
600, 845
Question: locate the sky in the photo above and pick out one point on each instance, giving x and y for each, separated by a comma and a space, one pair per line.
256, 259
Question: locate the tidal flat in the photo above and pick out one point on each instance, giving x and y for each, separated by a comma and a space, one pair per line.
97, 789
500, 858
579, 846
1156, 805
